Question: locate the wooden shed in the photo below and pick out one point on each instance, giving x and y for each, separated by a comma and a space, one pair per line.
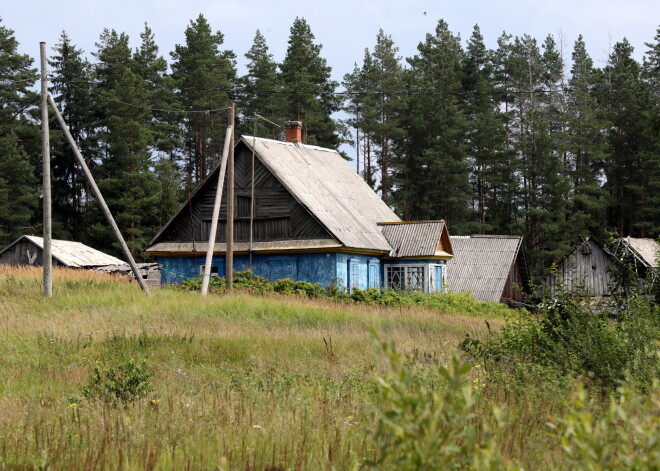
491, 267
584, 270
27, 250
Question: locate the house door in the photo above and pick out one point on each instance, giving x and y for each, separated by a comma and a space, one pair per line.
353, 275
436, 278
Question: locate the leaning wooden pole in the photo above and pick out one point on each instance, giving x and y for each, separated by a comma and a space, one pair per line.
99, 196
216, 213
45, 150
230, 206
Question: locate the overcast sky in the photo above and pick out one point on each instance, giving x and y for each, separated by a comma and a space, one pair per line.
344, 27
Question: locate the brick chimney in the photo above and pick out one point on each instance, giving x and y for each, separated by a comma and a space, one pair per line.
293, 131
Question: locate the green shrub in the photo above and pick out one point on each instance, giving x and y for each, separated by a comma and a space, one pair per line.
570, 336
424, 418
118, 385
626, 436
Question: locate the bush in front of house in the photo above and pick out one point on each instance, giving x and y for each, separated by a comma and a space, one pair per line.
446, 302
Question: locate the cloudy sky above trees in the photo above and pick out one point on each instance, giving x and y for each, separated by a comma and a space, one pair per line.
344, 27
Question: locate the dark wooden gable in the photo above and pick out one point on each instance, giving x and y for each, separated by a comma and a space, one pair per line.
278, 216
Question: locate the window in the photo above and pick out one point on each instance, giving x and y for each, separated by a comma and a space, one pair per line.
419, 277
214, 270
243, 207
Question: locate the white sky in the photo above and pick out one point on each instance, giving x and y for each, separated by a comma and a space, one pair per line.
344, 27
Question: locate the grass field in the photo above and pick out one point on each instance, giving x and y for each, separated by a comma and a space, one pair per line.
239, 382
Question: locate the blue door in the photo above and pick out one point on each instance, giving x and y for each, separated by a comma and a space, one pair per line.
353, 275
374, 279
437, 278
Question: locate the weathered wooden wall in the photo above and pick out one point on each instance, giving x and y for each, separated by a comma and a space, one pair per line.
584, 269
278, 216
515, 284
18, 255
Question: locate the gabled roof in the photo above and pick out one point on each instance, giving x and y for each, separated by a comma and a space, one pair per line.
417, 239
482, 263
647, 250
72, 254
323, 183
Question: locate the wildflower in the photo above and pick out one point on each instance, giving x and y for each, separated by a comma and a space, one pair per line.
73, 405
257, 426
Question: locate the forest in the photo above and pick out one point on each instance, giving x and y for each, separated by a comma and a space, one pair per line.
520, 139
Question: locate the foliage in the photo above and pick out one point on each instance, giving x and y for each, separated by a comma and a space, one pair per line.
567, 336
424, 418
625, 436
444, 302
118, 385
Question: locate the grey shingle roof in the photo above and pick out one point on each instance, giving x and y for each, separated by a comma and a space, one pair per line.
481, 264
413, 239
324, 183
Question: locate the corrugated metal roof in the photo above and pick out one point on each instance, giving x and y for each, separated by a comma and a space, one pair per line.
647, 249
324, 183
481, 264
75, 254
413, 239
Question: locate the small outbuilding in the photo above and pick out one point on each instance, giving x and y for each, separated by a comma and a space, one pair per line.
585, 269
28, 250
491, 267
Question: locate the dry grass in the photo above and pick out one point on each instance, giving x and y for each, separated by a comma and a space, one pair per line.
240, 382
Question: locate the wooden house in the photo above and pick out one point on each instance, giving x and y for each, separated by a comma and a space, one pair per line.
311, 218
584, 270
28, 251
491, 267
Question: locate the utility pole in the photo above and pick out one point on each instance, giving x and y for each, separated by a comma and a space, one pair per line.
45, 151
216, 213
99, 196
230, 205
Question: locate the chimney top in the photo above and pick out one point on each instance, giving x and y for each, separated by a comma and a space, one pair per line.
293, 131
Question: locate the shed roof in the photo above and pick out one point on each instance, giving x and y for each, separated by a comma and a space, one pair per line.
416, 239
72, 254
481, 264
647, 249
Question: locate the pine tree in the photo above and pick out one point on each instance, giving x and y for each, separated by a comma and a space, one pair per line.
309, 91
125, 178
18, 174
376, 101
71, 87
627, 100
486, 140
586, 147
651, 76
360, 86
205, 78
430, 164
260, 92
164, 121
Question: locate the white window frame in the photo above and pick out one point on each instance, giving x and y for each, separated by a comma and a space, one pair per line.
428, 273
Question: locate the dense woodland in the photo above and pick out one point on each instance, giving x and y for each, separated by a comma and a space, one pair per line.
522, 139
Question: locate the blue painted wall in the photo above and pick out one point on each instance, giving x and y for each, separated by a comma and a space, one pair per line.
315, 268
345, 270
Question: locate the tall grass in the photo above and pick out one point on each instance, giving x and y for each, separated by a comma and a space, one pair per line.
239, 382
